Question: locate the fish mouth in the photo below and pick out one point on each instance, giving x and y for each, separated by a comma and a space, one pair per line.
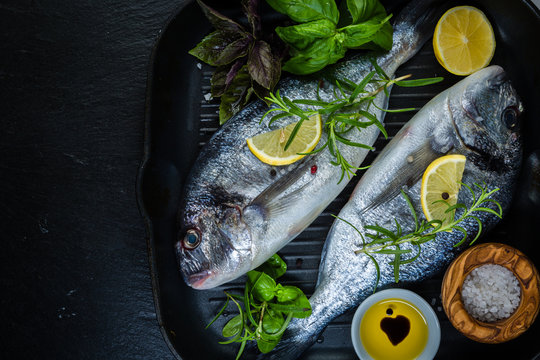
199, 280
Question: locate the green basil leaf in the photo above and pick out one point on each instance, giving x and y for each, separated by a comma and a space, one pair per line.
274, 266
272, 321
288, 293
360, 34
220, 48
219, 21
301, 36
307, 10
263, 66
262, 285
362, 10
232, 327
265, 346
302, 302
321, 53
236, 95
383, 39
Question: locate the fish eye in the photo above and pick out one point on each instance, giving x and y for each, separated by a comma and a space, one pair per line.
192, 239
509, 117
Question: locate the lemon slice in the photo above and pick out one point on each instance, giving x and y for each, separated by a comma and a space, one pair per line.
441, 181
269, 147
463, 40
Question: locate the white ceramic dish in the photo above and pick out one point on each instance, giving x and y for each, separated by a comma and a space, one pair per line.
434, 329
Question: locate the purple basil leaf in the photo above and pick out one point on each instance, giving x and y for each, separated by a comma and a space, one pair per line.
236, 95
234, 71
223, 77
261, 92
263, 66
251, 9
220, 22
219, 48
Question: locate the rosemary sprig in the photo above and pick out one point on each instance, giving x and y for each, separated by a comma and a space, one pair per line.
343, 114
386, 241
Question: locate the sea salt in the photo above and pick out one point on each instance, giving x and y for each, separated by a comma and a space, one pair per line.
490, 293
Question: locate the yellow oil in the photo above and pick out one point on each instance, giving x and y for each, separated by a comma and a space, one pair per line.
378, 343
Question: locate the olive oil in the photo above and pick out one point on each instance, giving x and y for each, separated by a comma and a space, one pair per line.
393, 329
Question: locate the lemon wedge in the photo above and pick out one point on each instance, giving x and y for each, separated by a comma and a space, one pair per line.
441, 181
269, 147
463, 40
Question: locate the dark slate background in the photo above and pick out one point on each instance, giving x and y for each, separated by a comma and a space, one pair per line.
75, 280
75, 277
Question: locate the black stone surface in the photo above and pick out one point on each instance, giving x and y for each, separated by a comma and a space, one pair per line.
75, 278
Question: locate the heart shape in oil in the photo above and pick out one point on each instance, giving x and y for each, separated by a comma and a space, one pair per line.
396, 328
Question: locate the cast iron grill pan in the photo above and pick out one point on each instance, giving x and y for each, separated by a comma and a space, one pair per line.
180, 121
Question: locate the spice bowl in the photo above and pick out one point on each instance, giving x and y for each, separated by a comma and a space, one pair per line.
377, 327
501, 330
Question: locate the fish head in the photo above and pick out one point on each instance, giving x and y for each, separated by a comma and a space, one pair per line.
214, 245
486, 119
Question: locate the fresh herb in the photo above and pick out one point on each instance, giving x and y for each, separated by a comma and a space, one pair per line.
268, 307
324, 34
342, 113
246, 61
386, 241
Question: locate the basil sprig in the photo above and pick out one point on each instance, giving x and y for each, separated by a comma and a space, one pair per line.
267, 308
247, 61
321, 38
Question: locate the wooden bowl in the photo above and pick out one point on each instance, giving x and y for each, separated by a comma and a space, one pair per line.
501, 330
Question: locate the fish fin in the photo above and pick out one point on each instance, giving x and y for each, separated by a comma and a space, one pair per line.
408, 174
275, 199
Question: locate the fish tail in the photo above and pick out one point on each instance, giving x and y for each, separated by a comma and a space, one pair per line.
414, 26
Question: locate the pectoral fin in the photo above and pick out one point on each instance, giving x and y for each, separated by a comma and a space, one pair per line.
280, 196
411, 171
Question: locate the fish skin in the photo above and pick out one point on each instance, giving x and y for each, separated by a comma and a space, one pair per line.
244, 210
465, 119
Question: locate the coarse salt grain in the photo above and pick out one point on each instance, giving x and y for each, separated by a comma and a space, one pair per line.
490, 293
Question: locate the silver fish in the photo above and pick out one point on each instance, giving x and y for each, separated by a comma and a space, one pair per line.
478, 118
238, 211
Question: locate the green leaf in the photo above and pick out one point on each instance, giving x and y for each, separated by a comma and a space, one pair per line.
219, 313
383, 39
263, 66
300, 302
221, 48
274, 266
272, 321
233, 327
236, 96
287, 293
419, 82
302, 36
262, 285
360, 34
320, 54
265, 346
362, 10
307, 10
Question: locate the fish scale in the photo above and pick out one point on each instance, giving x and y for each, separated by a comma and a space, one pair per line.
246, 209
447, 123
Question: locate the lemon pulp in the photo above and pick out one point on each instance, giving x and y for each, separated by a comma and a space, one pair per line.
463, 40
269, 147
379, 344
440, 187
